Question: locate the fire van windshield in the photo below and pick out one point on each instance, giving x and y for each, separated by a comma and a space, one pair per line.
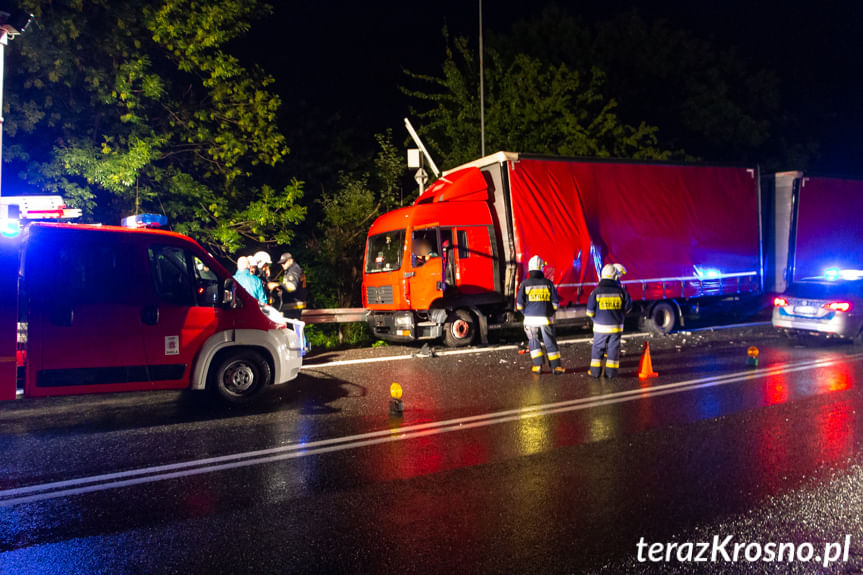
385, 252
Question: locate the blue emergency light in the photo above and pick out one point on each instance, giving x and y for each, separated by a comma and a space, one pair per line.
9, 227
707, 273
145, 221
834, 274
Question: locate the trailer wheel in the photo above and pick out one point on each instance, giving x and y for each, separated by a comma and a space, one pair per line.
239, 376
459, 329
662, 318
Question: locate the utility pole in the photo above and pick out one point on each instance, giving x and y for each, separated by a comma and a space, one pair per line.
11, 24
481, 85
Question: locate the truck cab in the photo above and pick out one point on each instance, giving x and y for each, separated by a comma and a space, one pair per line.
105, 309
430, 267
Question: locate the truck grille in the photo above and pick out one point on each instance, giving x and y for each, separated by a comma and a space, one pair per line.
379, 294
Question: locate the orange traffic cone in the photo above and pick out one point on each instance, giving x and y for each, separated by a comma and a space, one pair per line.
645, 366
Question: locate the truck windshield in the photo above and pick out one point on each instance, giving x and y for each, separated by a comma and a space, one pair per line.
385, 252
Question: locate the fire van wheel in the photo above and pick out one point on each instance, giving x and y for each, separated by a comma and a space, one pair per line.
662, 318
459, 329
239, 376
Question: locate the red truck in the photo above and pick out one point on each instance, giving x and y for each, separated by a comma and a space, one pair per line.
450, 264
106, 308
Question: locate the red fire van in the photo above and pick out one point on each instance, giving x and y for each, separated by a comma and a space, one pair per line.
104, 309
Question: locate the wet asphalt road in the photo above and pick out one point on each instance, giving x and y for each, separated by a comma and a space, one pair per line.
489, 469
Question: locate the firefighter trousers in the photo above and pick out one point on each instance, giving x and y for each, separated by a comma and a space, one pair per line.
533, 341
607, 344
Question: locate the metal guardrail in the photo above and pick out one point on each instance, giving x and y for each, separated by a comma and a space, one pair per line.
336, 315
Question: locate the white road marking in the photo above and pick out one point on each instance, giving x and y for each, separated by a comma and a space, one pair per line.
67, 488
445, 353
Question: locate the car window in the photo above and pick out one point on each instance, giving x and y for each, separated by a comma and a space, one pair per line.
207, 284
385, 252
172, 278
91, 273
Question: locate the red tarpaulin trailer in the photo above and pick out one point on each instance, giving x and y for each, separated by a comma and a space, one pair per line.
689, 227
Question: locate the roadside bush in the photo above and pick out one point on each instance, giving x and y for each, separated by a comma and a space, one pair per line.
332, 336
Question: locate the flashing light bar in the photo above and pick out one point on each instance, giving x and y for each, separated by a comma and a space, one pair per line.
834, 274
37, 208
145, 221
39, 214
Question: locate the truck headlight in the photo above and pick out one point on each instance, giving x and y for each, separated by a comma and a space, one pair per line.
404, 320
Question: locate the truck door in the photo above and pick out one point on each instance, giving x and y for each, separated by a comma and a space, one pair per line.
426, 275
475, 269
182, 313
84, 292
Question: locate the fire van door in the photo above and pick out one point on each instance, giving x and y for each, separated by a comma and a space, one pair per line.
184, 314
85, 323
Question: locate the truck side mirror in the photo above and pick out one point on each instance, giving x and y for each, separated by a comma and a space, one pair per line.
447, 265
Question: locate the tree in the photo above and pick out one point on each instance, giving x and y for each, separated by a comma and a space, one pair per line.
708, 98
122, 107
347, 215
531, 106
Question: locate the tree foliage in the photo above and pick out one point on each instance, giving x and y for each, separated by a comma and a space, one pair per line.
122, 107
347, 215
707, 97
531, 106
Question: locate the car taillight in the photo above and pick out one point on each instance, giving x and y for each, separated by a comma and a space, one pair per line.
780, 302
838, 306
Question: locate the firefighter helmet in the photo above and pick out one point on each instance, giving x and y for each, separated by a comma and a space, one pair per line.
262, 258
535, 264
612, 271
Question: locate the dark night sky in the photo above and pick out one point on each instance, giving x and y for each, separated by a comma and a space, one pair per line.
347, 57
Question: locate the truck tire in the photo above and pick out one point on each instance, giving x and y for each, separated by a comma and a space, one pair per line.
239, 375
662, 318
459, 329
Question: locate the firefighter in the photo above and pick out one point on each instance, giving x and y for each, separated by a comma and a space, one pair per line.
294, 286
264, 262
608, 305
537, 300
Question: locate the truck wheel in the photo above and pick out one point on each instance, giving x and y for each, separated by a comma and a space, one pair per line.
662, 318
239, 376
459, 329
